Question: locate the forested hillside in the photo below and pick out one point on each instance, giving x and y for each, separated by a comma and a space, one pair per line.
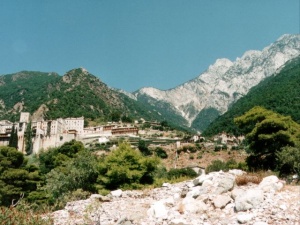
25, 90
279, 93
77, 93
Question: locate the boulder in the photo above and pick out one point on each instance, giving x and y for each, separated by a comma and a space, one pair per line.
260, 223
220, 201
250, 199
178, 222
191, 205
116, 193
158, 210
236, 172
196, 191
237, 192
244, 218
101, 198
271, 183
224, 183
217, 182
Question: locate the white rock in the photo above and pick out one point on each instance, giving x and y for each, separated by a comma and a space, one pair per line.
191, 205
283, 207
158, 210
244, 218
220, 201
271, 183
199, 180
207, 183
116, 193
260, 223
166, 185
196, 191
224, 183
236, 172
178, 222
237, 192
251, 199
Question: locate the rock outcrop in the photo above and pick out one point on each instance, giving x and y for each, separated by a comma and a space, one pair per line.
209, 199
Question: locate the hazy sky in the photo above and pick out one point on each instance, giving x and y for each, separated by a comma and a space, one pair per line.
131, 44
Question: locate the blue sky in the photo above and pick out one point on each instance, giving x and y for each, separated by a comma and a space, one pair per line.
131, 44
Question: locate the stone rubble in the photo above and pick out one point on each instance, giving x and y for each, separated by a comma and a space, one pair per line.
212, 199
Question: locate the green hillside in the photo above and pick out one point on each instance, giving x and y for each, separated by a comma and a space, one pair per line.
279, 93
77, 93
27, 88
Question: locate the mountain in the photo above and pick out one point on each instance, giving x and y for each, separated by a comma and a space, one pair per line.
279, 93
201, 100
77, 93
194, 104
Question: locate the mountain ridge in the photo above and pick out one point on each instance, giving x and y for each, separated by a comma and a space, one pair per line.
279, 93
195, 103
224, 81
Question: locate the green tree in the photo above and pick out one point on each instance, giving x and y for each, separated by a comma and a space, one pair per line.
78, 173
28, 139
267, 133
126, 168
55, 157
15, 177
13, 140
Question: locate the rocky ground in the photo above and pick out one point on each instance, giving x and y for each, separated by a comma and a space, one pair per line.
213, 199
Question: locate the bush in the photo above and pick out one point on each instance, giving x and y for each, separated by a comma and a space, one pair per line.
126, 168
15, 177
218, 165
289, 161
161, 153
183, 172
78, 173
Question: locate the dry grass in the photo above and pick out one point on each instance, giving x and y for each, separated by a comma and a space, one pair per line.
255, 177
246, 178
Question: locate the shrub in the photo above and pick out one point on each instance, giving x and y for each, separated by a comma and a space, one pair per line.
289, 161
161, 153
78, 173
199, 156
183, 172
218, 165
126, 167
15, 177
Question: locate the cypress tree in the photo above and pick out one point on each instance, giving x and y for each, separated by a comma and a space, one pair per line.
13, 140
28, 139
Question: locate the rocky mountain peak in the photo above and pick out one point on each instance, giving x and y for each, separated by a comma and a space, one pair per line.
78, 75
220, 66
225, 82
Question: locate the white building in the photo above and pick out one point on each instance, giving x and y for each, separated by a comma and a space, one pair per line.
75, 124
